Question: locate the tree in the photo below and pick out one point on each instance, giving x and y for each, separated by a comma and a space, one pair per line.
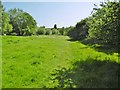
6, 27
23, 23
1, 11
13, 13
55, 26
80, 31
62, 31
26, 24
105, 22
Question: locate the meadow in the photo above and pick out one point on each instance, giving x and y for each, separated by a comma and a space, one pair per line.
55, 61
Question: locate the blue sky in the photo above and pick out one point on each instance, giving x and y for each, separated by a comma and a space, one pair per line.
50, 13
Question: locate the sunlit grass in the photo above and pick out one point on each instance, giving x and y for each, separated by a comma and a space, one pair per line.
29, 61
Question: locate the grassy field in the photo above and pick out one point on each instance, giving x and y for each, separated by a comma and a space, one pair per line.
29, 61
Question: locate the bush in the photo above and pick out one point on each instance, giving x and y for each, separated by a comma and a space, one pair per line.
62, 31
55, 32
48, 32
87, 74
27, 33
41, 31
13, 34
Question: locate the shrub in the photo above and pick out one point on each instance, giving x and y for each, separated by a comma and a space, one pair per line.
13, 34
55, 32
48, 32
41, 31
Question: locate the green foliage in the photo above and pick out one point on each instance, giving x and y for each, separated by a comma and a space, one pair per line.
13, 13
61, 76
22, 22
6, 27
88, 74
80, 31
104, 23
41, 31
48, 32
1, 11
55, 32
13, 34
62, 31
82, 66
72, 33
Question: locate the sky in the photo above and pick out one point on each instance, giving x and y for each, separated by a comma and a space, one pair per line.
64, 14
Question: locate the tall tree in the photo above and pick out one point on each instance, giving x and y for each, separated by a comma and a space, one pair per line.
13, 13
105, 23
80, 31
1, 11
6, 26
55, 26
23, 23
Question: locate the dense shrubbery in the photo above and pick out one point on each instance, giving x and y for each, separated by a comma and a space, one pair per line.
55, 32
80, 31
41, 31
48, 32
104, 23
102, 27
62, 31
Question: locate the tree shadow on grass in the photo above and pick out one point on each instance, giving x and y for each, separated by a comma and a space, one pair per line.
88, 74
108, 49
100, 47
72, 40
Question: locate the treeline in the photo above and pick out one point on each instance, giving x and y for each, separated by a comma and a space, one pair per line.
50, 31
17, 22
103, 26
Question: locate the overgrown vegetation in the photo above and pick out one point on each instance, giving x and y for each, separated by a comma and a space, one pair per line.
103, 26
80, 31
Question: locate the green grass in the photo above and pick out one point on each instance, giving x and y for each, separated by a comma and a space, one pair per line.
29, 61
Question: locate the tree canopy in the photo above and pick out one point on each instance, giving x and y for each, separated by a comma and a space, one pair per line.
102, 27
23, 23
1, 10
105, 22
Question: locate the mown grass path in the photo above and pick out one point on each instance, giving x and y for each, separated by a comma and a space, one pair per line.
29, 61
